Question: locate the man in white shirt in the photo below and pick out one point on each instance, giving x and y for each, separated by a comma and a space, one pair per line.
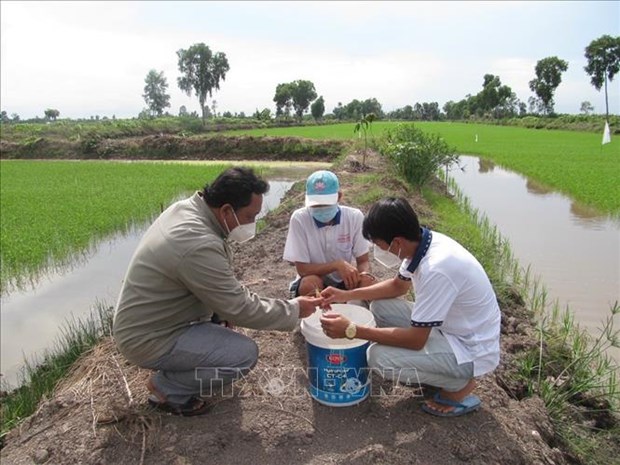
449, 335
324, 238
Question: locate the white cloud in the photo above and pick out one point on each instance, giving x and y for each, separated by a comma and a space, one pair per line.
87, 58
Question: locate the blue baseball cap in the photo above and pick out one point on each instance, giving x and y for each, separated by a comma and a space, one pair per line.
322, 189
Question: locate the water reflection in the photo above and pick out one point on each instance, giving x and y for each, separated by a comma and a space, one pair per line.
587, 216
575, 250
31, 318
536, 188
485, 166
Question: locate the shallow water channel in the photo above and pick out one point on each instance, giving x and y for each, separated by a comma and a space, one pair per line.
574, 250
31, 319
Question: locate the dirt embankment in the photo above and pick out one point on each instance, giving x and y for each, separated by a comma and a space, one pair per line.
166, 146
99, 414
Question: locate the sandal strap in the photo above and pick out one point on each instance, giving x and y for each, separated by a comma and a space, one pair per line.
449, 402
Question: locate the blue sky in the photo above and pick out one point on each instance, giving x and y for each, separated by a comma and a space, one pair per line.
91, 58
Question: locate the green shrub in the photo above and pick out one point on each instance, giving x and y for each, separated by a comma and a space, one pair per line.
417, 155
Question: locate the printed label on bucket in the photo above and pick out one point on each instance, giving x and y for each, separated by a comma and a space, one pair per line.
338, 377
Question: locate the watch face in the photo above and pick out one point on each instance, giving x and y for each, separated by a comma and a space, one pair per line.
350, 331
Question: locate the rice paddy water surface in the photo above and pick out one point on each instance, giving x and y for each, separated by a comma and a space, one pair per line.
573, 249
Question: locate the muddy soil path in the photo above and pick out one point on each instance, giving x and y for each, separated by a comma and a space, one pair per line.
99, 414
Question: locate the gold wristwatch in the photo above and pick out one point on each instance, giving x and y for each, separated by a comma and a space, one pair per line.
351, 331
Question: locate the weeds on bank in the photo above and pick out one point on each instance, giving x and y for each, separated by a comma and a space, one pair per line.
38, 379
578, 381
582, 361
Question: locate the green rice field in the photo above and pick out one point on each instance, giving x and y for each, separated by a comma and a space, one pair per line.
53, 210
571, 162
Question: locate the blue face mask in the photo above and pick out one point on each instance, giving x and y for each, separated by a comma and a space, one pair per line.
324, 214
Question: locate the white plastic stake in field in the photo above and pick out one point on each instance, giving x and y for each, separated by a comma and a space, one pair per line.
606, 134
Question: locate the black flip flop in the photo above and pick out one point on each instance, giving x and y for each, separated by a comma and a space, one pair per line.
193, 407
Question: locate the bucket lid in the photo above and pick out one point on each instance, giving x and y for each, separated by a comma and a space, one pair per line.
313, 332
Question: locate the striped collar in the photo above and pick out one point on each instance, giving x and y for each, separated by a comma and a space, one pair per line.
425, 243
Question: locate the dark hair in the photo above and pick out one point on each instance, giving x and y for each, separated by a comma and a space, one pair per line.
389, 218
234, 186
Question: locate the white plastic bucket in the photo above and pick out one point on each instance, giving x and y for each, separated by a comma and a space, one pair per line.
337, 368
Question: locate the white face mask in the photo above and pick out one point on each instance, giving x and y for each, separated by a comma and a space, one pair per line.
387, 258
242, 232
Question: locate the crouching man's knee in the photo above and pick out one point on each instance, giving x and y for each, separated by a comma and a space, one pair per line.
243, 356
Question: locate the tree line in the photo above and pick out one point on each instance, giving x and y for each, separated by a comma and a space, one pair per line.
203, 70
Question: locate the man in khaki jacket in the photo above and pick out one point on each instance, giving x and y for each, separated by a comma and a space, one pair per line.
180, 279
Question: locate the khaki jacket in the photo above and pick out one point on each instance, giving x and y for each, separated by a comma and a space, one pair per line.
181, 273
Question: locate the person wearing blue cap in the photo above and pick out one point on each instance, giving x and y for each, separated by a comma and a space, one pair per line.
325, 238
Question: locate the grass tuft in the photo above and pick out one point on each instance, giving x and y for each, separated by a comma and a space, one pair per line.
39, 378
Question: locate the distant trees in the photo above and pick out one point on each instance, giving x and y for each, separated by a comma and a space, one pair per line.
586, 108
264, 115
297, 94
356, 109
493, 101
338, 112
51, 114
317, 109
404, 113
548, 77
456, 110
534, 105
302, 93
283, 99
603, 55
202, 70
427, 111
4, 117
155, 96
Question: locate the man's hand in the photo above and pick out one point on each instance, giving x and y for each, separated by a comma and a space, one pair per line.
308, 305
330, 295
334, 324
349, 274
